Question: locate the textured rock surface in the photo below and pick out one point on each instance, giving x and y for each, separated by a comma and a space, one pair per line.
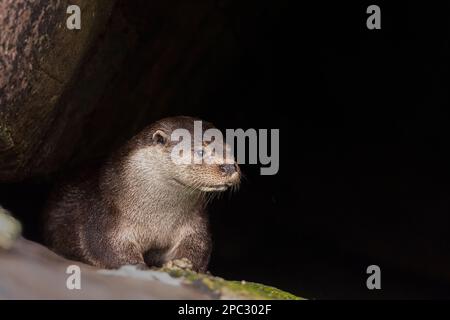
39, 58
30, 271
225, 289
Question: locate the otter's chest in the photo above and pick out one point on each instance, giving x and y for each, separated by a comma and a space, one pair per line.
158, 231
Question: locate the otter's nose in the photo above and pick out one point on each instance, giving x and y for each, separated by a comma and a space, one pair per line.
228, 169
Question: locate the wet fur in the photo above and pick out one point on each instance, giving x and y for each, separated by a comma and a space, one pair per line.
127, 212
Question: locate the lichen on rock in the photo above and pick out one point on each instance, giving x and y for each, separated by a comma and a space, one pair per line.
226, 289
10, 229
178, 272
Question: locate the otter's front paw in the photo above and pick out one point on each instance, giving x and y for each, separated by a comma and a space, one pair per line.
183, 264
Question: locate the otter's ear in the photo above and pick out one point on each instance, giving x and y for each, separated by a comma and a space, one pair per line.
160, 137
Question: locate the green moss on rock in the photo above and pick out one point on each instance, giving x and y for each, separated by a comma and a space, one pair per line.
224, 289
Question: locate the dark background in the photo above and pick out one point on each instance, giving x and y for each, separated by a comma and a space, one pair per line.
364, 179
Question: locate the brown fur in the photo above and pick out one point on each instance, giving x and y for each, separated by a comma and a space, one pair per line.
133, 209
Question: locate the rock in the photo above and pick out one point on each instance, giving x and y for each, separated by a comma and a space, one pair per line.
39, 58
10, 229
31, 271
226, 289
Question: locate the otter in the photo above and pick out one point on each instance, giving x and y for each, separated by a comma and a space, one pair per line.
139, 207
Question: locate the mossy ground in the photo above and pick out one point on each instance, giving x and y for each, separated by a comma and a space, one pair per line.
225, 289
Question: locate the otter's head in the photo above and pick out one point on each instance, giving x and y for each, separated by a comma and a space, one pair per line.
187, 152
